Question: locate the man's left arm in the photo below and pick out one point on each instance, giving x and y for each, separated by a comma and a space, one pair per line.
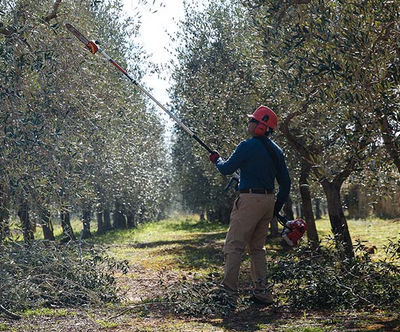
283, 178
234, 161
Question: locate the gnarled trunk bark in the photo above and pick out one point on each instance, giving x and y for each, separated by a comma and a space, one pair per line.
107, 220
47, 225
119, 217
68, 233
337, 218
27, 227
86, 218
305, 193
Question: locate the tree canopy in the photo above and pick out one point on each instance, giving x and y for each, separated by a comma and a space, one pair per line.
74, 131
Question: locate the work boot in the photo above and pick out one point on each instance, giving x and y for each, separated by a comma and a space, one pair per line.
263, 297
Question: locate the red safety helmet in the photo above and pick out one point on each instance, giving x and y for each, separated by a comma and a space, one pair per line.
266, 119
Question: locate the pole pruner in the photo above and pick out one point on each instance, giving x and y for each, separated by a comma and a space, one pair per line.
93, 47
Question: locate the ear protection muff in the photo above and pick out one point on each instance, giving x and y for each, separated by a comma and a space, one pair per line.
261, 127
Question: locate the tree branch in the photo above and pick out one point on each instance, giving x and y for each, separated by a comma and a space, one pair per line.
53, 13
299, 146
9, 313
298, 2
383, 35
6, 31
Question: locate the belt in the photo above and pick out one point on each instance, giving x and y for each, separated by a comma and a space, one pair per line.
256, 191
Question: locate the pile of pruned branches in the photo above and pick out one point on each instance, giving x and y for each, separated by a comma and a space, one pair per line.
197, 298
326, 279
49, 275
305, 278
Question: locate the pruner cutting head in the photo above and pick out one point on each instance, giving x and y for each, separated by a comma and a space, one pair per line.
92, 47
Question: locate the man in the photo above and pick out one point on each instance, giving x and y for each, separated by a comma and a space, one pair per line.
260, 162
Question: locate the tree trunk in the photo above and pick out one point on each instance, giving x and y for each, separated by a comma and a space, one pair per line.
337, 217
27, 229
390, 140
305, 193
86, 218
318, 212
298, 211
288, 209
107, 220
100, 220
274, 230
118, 217
68, 233
4, 214
332, 189
47, 225
130, 220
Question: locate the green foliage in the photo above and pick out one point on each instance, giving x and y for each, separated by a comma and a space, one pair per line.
323, 64
47, 275
393, 249
74, 131
213, 93
5, 327
323, 279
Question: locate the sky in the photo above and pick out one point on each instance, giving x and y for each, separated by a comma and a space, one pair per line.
154, 37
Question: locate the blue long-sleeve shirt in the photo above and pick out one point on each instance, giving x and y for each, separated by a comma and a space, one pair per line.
257, 168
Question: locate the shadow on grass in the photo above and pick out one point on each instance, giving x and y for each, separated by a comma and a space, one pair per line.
200, 226
199, 253
251, 319
259, 318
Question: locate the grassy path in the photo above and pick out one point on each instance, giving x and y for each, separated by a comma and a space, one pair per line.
165, 254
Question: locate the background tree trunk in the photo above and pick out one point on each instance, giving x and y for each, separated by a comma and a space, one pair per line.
337, 217
130, 220
86, 218
47, 225
318, 212
119, 220
305, 193
27, 229
100, 220
68, 233
274, 228
288, 209
107, 220
4, 214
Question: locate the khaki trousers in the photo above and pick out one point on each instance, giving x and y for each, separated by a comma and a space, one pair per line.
249, 220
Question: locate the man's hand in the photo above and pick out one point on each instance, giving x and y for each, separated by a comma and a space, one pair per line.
214, 156
278, 206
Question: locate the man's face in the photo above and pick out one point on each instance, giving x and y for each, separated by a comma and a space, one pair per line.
252, 126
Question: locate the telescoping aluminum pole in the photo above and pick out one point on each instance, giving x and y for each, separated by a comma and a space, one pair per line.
94, 48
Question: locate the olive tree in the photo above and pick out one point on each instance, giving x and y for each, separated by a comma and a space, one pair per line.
214, 90
328, 65
74, 131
